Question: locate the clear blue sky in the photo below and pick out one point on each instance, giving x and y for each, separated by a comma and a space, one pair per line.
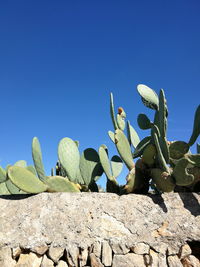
59, 60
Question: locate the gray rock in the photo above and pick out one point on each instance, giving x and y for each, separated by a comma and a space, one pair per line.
29, 260
185, 251
174, 261
46, 262
72, 255
62, 263
96, 249
81, 219
94, 261
128, 260
141, 248
55, 253
106, 254
190, 261
6, 257
119, 248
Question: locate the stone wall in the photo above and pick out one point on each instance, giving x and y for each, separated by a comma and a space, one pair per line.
99, 229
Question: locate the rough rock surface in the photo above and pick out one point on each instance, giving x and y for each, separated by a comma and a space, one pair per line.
98, 229
83, 218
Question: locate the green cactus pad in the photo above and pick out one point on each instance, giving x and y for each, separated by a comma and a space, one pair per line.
4, 189
143, 122
180, 173
196, 127
89, 165
161, 159
178, 149
112, 112
2, 175
103, 155
124, 149
31, 169
116, 165
77, 143
60, 184
37, 159
164, 182
141, 146
25, 180
13, 189
149, 96
21, 163
149, 153
121, 122
112, 136
69, 157
79, 178
132, 135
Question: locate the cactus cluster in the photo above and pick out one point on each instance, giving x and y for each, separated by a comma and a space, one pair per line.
161, 164
153, 162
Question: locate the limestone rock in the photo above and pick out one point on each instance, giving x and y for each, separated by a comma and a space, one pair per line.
72, 255
83, 256
141, 248
62, 263
119, 248
96, 249
46, 262
174, 261
185, 251
111, 218
40, 250
106, 254
128, 260
29, 260
16, 252
190, 261
55, 253
94, 261
6, 257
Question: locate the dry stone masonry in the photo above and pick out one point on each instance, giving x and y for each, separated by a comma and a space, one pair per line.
100, 229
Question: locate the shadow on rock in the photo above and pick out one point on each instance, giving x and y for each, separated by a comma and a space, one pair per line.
191, 203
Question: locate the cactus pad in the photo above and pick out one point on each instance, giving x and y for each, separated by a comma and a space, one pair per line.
25, 180
124, 149
149, 96
69, 157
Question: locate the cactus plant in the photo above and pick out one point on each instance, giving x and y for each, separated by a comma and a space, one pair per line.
37, 159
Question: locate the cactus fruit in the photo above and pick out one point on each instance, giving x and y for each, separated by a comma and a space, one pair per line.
149, 96
143, 122
196, 127
164, 181
121, 118
60, 184
25, 180
37, 159
124, 149
69, 157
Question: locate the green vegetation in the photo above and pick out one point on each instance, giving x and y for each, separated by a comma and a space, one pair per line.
160, 164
